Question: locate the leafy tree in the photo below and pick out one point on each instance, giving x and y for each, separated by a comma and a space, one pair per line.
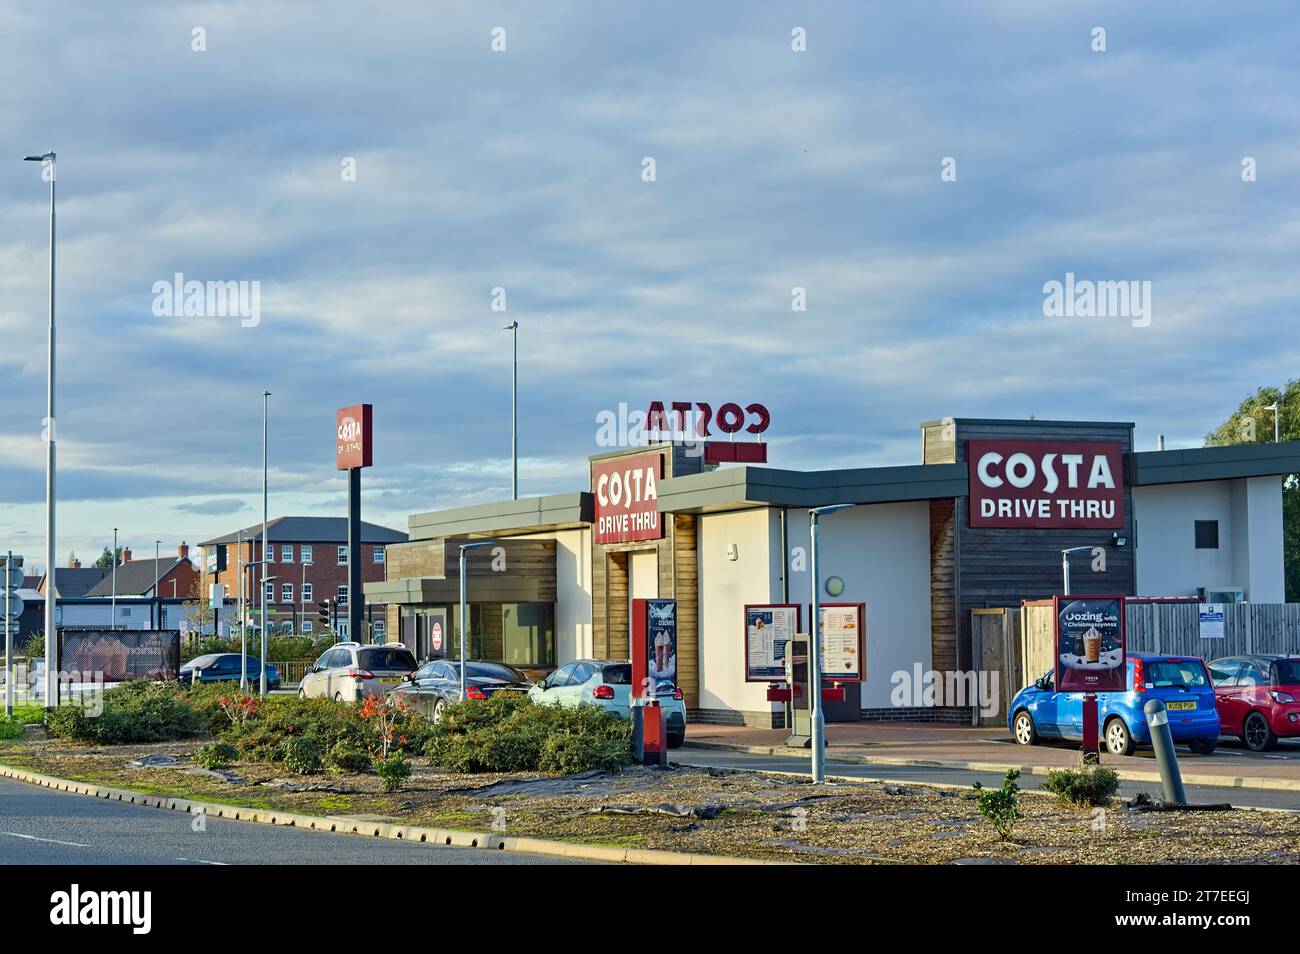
1252, 423
105, 559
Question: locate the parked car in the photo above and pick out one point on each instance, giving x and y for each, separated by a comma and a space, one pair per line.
436, 684
226, 667
1258, 698
607, 684
349, 672
1180, 682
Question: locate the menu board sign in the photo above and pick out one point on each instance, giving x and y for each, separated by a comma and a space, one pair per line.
843, 642
768, 631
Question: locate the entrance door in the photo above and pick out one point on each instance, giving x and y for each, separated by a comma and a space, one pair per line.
642, 581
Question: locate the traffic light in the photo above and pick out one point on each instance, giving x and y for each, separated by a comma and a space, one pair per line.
323, 612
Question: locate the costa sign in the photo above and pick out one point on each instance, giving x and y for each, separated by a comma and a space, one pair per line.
626, 491
1046, 484
730, 418
353, 446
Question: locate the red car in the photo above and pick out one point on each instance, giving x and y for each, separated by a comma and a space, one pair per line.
1258, 698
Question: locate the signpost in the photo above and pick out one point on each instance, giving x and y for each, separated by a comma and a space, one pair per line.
354, 450
13, 579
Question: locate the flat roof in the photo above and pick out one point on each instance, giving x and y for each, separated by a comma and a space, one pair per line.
554, 512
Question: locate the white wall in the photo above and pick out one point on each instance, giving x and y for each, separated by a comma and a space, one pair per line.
1249, 512
572, 595
882, 552
725, 586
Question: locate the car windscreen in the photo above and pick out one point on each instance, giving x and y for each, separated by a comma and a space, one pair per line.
493, 671
1286, 672
203, 662
384, 658
1174, 674
617, 675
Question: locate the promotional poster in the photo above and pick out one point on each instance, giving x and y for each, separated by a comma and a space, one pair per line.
122, 654
661, 637
1089, 643
768, 630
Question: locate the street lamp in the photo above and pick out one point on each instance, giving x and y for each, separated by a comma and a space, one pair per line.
1065, 566
113, 624
265, 547
157, 597
513, 328
815, 648
51, 636
1277, 422
464, 621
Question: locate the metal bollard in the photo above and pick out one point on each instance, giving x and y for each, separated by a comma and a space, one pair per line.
1162, 741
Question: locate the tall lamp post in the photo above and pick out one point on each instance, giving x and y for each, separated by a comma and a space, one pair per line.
513, 328
1276, 408
157, 596
1065, 566
815, 647
51, 591
464, 618
113, 623
265, 547
1090, 728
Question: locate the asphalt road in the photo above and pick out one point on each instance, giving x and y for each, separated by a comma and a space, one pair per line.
1196, 794
42, 826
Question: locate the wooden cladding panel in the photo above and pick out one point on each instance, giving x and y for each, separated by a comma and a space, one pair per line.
943, 585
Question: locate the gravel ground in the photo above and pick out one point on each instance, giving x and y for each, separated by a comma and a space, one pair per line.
712, 811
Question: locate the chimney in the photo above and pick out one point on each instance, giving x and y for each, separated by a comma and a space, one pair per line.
76, 564
183, 551
126, 555
1160, 443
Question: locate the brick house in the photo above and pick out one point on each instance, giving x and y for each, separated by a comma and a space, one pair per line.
308, 562
171, 576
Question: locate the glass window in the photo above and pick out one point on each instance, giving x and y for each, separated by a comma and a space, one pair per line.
618, 675
1286, 672
380, 627
1207, 534
379, 555
306, 592
1224, 671
270, 592
1251, 675
386, 658
324, 661
342, 593
307, 627
1174, 673
286, 553
306, 553
286, 592
286, 627
528, 634
560, 678
581, 673
343, 556
494, 671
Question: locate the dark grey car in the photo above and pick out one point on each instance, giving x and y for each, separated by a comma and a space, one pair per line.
436, 684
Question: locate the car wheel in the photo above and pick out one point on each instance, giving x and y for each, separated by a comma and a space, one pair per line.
1023, 729
675, 741
1257, 733
1118, 739
302, 693
439, 711
338, 697
1203, 746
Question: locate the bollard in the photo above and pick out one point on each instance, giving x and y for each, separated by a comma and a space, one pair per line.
1162, 741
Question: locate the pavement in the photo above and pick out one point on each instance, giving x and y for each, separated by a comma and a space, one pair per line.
42, 826
990, 748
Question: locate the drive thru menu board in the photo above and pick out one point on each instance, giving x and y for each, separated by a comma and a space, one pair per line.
768, 631
843, 632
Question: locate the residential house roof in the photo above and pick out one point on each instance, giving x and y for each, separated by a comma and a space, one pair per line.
310, 530
135, 578
75, 581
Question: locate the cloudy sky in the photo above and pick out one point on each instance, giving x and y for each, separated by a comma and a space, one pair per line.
524, 169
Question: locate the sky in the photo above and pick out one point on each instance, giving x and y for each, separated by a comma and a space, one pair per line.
645, 187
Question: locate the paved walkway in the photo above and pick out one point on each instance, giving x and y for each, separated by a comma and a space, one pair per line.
907, 742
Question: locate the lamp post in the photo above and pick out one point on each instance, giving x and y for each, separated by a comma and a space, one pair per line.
157, 597
513, 328
1276, 408
1090, 733
51, 590
464, 619
1065, 566
265, 547
113, 624
815, 647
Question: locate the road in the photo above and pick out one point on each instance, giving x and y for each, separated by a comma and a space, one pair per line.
42, 826
1196, 794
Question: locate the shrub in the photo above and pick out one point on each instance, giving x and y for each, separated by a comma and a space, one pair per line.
569, 754
393, 771
1001, 806
1085, 787
138, 711
347, 758
215, 755
11, 727
301, 755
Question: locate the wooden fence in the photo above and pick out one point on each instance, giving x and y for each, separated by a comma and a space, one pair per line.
1017, 643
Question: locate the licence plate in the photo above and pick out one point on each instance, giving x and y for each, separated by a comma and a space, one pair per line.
389, 680
1180, 705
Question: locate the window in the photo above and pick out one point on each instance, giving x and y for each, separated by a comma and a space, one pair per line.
307, 627
343, 556
306, 592
560, 678
342, 593
387, 659
286, 592
270, 592
286, 628
527, 635
1286, 672
1207, 534
380, 628
286, 553
1252, 675
343, 629
270, 553
305, 553
1224, 671
379, 555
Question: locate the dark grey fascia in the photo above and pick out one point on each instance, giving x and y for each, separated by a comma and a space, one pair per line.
1216, 463
555, 512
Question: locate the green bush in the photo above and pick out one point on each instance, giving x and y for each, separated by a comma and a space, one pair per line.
1085, 787
347, 758
1001, 806
215, 755
325, 722
278, 648
393, 771
301, 755
509, 733
134, 712
11, 727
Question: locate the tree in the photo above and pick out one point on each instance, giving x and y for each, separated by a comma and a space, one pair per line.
72, 558
105, 559
1251, 423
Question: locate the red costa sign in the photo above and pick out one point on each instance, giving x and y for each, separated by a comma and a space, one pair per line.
731, 418
353, 447
1046, 484
627, 498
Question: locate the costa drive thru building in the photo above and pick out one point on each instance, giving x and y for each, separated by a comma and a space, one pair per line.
980, 522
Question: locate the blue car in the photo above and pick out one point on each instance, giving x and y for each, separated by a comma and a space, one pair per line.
1180, 682
226, 667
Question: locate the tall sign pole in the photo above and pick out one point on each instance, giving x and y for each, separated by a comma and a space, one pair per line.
353, 451
13, 579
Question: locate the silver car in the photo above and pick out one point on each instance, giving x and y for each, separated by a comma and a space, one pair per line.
349, 672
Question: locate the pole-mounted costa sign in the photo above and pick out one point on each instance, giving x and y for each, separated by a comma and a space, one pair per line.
353, 448
626, 492
691, 421
1046, 484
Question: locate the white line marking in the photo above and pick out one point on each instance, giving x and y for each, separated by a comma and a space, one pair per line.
52, 841
200, 861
